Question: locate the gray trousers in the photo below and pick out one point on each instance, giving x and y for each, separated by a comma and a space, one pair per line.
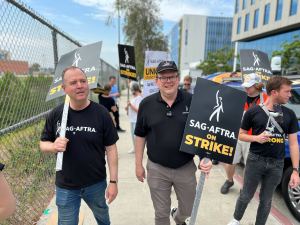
266, 171
160, 180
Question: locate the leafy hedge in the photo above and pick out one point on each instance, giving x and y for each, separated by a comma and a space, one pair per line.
22, 98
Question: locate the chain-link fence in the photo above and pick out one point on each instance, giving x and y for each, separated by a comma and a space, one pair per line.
29, 50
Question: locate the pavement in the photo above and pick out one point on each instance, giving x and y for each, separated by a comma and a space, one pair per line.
133, 204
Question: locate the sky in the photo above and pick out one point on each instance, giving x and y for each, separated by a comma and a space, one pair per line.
86, 20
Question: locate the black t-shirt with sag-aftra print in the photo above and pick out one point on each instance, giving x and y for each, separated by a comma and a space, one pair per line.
257, 119
89, 131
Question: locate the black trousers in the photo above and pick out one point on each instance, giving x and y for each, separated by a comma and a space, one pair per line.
117, 118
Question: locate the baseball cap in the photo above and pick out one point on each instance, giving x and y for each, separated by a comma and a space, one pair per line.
166, 65
251, 79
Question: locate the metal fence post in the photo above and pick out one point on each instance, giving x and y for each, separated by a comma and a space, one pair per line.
55, 52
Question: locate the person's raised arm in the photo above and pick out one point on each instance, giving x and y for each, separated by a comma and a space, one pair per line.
59, 145
261, 138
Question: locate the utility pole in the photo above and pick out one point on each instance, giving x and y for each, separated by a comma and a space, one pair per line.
235, 56
119, 33
119, 41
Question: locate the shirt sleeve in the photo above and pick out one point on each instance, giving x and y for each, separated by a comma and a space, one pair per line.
246, 122
114, 89
141, 128
293, 126
48, 133
110, 132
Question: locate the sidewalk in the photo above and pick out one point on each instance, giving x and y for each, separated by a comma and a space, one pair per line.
133, 204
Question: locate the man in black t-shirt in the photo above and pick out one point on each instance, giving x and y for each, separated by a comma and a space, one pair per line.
161, 120
271, 123
90, 134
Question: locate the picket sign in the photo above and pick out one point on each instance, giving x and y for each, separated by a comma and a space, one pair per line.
62, 133
199, 190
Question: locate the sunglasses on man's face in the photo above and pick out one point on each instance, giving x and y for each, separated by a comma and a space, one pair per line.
187, 84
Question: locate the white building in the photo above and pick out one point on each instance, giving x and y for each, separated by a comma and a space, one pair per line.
194, 36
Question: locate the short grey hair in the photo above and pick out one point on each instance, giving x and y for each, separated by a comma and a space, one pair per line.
70, 68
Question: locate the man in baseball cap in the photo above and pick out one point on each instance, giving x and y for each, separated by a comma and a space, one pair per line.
161, 121
253, 87
251, 79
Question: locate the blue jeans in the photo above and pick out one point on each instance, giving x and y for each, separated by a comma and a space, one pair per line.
268, 171
68, 203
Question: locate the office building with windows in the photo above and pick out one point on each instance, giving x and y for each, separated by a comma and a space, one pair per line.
194, 36
265, 24
174, 37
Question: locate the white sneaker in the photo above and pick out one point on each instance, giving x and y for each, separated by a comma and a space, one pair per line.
234, 222
131, 151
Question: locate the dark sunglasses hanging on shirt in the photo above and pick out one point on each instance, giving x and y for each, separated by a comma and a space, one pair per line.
277, 108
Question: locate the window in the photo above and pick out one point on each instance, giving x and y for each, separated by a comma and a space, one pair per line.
246, 28
244, 4
186, 37
238, 30
271, 43
252, 2
293, 8
267, 14
278, 10
236, 9
256, 18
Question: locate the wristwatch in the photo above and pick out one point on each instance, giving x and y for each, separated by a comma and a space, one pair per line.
296, 169
113, 181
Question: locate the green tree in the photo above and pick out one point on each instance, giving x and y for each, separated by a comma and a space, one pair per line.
218, 61
35, 67
11, 95
290, 55
22, 98
142, 28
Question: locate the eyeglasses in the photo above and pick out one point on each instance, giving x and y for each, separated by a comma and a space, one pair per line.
165, 79
187, 84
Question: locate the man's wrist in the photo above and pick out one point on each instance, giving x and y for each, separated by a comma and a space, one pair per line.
53, 148
254, 138
296, 169
138, 164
